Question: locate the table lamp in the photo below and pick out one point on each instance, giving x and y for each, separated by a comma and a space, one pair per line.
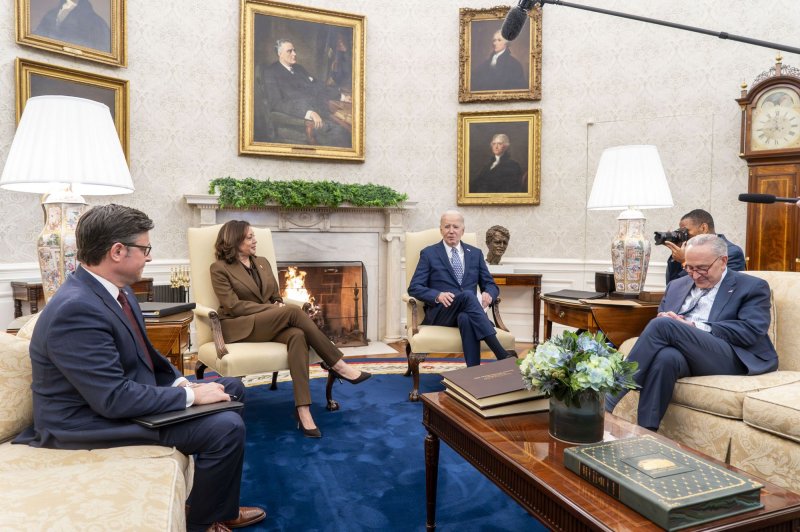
64, 147
630, 178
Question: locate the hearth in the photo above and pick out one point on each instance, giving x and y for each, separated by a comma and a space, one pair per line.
337, 297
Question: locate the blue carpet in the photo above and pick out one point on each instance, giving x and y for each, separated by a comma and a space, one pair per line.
368, 470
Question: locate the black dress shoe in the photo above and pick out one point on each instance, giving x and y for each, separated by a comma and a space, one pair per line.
308, 433
509, 354
364, 375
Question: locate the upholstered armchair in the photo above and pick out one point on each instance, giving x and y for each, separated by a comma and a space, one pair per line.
424, 339
239, 358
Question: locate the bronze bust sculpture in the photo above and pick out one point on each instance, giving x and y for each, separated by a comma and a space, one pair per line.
497, 238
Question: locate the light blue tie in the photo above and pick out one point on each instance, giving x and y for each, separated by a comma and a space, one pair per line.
458, 268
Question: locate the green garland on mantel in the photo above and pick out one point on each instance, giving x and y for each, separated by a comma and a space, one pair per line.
247, 193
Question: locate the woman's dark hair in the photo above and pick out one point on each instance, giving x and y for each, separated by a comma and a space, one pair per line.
230, 237
103, 226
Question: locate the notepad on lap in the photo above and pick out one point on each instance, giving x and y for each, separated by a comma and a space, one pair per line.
154, 421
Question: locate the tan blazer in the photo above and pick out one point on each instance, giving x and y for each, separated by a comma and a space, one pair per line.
239, 297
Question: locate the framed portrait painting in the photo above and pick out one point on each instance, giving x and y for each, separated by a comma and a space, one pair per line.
301, 91
39, 79
499, 158
89, 29
493, 69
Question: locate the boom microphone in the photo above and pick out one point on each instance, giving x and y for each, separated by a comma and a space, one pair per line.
515, 19
765, 198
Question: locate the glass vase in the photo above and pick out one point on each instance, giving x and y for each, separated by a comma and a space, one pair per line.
578, 425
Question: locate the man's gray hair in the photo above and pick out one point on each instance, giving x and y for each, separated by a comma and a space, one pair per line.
451, 212
503, 137
279, 43
717, 245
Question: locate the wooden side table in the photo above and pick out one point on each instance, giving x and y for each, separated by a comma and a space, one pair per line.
532, 280
170, 335
617, 322
34, 294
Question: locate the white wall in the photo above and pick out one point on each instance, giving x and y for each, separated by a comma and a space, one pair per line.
605, 81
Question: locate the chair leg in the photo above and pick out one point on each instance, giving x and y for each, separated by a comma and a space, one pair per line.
408, 360
414, 359
274, 385
332, 405
199, 370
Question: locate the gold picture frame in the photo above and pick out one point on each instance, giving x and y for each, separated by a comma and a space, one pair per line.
515, 74
92, 30
39, 79
497, 175
314, 107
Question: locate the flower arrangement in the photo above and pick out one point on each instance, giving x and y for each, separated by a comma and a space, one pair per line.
569, 365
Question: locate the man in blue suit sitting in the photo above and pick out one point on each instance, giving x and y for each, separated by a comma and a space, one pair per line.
94, 369
712, 321
446, 280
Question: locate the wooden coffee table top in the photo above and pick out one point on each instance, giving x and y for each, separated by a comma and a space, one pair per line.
517, 453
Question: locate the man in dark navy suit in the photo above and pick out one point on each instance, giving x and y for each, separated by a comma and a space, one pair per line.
291, 90
94, 369
447, 279
712, 321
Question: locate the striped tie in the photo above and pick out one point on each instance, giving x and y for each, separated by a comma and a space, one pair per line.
458, 268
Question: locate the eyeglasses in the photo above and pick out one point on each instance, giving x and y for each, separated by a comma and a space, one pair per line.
145, 249
702, 270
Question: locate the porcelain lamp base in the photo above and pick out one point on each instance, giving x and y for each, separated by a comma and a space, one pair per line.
630, 254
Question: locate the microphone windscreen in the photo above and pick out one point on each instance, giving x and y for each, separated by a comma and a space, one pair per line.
515, 19
757, 198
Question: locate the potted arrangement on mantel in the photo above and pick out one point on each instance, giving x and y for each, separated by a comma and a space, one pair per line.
576, 372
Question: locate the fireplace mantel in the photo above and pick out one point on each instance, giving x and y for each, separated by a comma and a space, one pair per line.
310, 225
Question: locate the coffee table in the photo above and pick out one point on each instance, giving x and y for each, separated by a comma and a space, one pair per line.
519, 456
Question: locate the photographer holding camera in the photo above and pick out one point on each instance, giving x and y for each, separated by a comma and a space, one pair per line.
693, 223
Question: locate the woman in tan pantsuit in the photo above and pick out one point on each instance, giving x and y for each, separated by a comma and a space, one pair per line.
252, 310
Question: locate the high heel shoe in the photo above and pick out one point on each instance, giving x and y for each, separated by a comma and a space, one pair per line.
308, 433
362, 376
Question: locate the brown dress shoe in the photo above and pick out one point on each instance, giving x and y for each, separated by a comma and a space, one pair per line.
248, 515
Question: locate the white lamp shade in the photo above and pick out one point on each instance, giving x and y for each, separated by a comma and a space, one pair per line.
630, 177
64, 140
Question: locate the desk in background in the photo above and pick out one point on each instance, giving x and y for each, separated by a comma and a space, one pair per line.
532, 280
34, 294
617, 322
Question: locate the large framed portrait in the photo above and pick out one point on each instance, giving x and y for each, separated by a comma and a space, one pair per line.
301, 90
89, 29
499, 157
39, 79
493, 69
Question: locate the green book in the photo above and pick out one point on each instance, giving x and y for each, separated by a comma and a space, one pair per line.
671, 487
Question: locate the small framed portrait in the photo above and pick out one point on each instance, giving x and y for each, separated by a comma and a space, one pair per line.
499, 161
301, 91
493, 69
39, 79
89, 29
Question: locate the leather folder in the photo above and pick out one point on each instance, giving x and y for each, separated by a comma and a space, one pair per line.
154, 421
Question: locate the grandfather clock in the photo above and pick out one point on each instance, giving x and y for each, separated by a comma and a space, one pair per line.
770, 143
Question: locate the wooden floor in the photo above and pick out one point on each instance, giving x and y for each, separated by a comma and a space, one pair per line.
400, 347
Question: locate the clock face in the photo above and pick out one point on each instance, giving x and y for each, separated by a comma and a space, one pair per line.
775, 123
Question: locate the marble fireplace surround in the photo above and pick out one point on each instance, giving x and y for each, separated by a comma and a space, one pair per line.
372, 235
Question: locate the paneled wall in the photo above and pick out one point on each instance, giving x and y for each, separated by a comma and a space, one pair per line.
606, 81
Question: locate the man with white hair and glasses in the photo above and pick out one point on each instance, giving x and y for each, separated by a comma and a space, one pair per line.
713, 321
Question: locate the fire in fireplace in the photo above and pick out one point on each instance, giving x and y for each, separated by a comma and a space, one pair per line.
336, 293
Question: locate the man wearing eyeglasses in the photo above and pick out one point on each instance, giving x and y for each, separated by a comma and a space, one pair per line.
94, 369
712, 321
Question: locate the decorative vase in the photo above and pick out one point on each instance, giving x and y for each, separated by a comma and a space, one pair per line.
578, 425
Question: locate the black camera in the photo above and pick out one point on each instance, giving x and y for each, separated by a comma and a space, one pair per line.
679, 236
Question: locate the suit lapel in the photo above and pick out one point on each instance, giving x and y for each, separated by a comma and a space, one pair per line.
264, 271
680, 296
238, 272
724, 294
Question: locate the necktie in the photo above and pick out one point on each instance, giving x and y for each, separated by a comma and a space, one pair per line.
692, 304
126, 309
458, 268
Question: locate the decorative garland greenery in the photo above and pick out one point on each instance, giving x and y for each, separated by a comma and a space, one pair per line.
249, 192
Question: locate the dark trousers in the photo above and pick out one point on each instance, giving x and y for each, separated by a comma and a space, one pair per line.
668, 350
217, 441
468, 315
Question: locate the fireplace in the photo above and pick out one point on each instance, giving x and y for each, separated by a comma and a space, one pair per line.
337, 297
